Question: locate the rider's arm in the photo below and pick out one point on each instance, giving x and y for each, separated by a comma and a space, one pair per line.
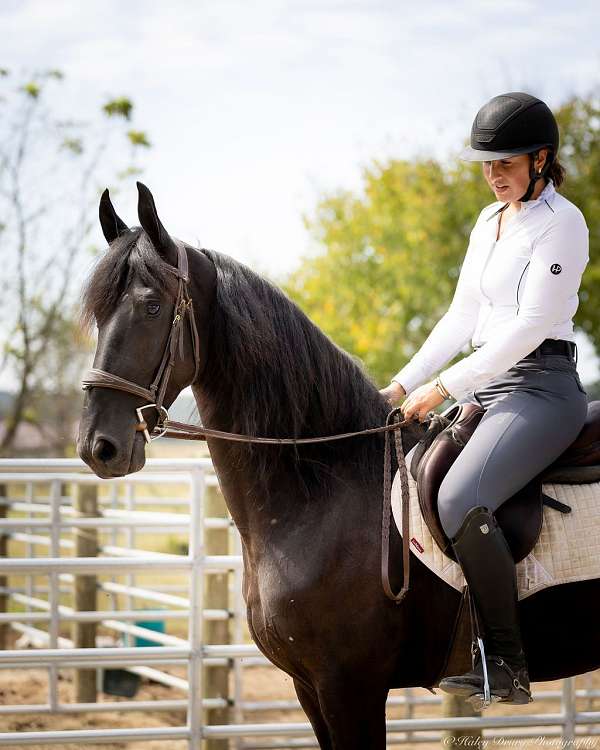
559, 257
449, 335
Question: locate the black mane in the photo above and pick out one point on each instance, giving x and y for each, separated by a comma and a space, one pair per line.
272, 372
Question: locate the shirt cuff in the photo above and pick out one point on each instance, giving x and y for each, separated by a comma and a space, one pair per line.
409, 377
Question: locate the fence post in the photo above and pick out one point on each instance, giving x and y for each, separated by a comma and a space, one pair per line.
454, 705
84, 633
216, 679
3, 579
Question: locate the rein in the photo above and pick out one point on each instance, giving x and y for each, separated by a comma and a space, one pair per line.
97, 378
392, 424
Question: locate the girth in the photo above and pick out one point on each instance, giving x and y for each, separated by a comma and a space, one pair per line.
155, 393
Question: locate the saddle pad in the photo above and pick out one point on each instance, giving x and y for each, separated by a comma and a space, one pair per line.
567, 550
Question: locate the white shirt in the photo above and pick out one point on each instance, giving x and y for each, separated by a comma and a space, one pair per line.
511, 294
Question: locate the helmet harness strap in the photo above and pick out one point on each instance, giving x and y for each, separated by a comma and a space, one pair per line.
535, 176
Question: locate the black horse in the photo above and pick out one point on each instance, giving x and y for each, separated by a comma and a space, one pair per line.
310, 515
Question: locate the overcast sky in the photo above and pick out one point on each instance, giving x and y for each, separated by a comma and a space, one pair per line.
254, 109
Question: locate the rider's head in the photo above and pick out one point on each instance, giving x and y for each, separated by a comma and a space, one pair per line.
516, 137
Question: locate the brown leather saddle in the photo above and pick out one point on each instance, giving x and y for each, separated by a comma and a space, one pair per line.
520, 517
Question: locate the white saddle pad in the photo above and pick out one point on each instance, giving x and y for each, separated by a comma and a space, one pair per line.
567, 550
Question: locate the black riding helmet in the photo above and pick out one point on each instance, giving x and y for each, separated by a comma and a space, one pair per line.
513, 124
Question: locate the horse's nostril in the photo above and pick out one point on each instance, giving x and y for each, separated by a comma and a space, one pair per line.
103, 450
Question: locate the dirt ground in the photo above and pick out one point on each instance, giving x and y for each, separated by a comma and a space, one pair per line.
260, 683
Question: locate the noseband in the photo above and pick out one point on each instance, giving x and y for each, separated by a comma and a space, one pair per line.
155, 394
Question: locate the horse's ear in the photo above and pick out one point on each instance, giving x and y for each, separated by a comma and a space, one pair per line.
149, 220
112, 225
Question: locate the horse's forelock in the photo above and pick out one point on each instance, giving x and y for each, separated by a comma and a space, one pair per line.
131, 254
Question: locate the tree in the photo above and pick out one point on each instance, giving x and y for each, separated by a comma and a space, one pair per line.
51, 172
579, 123
389, 257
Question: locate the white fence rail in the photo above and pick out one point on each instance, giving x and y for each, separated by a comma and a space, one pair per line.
27, 478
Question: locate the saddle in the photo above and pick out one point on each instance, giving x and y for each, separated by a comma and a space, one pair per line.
520, 517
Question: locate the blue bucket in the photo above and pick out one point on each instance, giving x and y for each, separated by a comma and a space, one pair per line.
157, 625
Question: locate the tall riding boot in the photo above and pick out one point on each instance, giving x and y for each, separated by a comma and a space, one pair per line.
489, 568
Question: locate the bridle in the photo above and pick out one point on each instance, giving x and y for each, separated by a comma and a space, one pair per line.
155, 394
97, 378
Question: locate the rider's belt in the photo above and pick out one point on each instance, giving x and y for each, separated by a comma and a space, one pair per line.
554, 346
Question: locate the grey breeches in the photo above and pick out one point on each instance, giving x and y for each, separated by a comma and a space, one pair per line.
533, 412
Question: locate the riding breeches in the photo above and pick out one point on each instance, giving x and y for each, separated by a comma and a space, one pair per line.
533, 412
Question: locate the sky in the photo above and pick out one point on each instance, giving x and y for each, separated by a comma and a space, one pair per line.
255, 110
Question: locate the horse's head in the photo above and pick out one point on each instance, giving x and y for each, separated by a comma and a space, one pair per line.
152, 341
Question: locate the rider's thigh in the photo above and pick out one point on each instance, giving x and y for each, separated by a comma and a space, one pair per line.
518, 436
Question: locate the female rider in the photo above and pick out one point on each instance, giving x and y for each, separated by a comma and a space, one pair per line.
514, 300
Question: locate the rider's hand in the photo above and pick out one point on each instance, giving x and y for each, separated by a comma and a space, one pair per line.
393, 392
421, 401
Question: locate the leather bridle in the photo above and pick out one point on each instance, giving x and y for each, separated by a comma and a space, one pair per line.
97, 378
155, 394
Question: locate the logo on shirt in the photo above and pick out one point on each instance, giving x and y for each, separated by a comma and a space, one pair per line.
555, 268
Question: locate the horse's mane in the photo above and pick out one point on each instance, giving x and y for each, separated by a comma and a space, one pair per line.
276, 374
271, 372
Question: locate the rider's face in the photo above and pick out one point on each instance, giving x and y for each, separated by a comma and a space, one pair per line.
509, 178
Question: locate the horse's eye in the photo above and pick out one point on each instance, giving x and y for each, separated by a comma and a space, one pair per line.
152, 308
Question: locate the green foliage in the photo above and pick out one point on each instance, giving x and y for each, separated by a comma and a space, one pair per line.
392, 258
138, 138
389, 257
74, 145
128, 172
579, 122
119, 107
32, 89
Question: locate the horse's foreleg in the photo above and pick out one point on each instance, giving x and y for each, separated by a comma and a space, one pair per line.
354, 713
310, 703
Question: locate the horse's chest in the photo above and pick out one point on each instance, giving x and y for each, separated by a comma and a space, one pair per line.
277, 614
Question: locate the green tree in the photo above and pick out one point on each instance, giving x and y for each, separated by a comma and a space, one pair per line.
391, 258
51, 172
579, 123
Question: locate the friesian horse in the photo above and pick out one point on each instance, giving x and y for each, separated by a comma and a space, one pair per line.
309, 516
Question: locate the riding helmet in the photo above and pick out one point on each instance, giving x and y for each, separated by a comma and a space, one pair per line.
512, 124
509, 125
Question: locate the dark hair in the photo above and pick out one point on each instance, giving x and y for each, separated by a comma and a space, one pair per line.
273, 372
557, 173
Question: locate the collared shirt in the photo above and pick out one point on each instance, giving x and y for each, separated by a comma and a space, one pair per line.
512, 293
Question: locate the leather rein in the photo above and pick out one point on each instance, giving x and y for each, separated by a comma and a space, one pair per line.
97, 378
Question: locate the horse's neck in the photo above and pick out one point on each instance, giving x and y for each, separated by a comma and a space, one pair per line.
227, 459
260, 515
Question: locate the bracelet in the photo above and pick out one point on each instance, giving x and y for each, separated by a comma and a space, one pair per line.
441, 388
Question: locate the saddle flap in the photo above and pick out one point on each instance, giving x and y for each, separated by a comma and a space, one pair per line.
520, 517
437, 459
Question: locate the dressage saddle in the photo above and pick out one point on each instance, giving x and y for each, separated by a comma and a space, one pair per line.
520, 517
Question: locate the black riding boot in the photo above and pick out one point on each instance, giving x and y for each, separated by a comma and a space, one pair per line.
489, 568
